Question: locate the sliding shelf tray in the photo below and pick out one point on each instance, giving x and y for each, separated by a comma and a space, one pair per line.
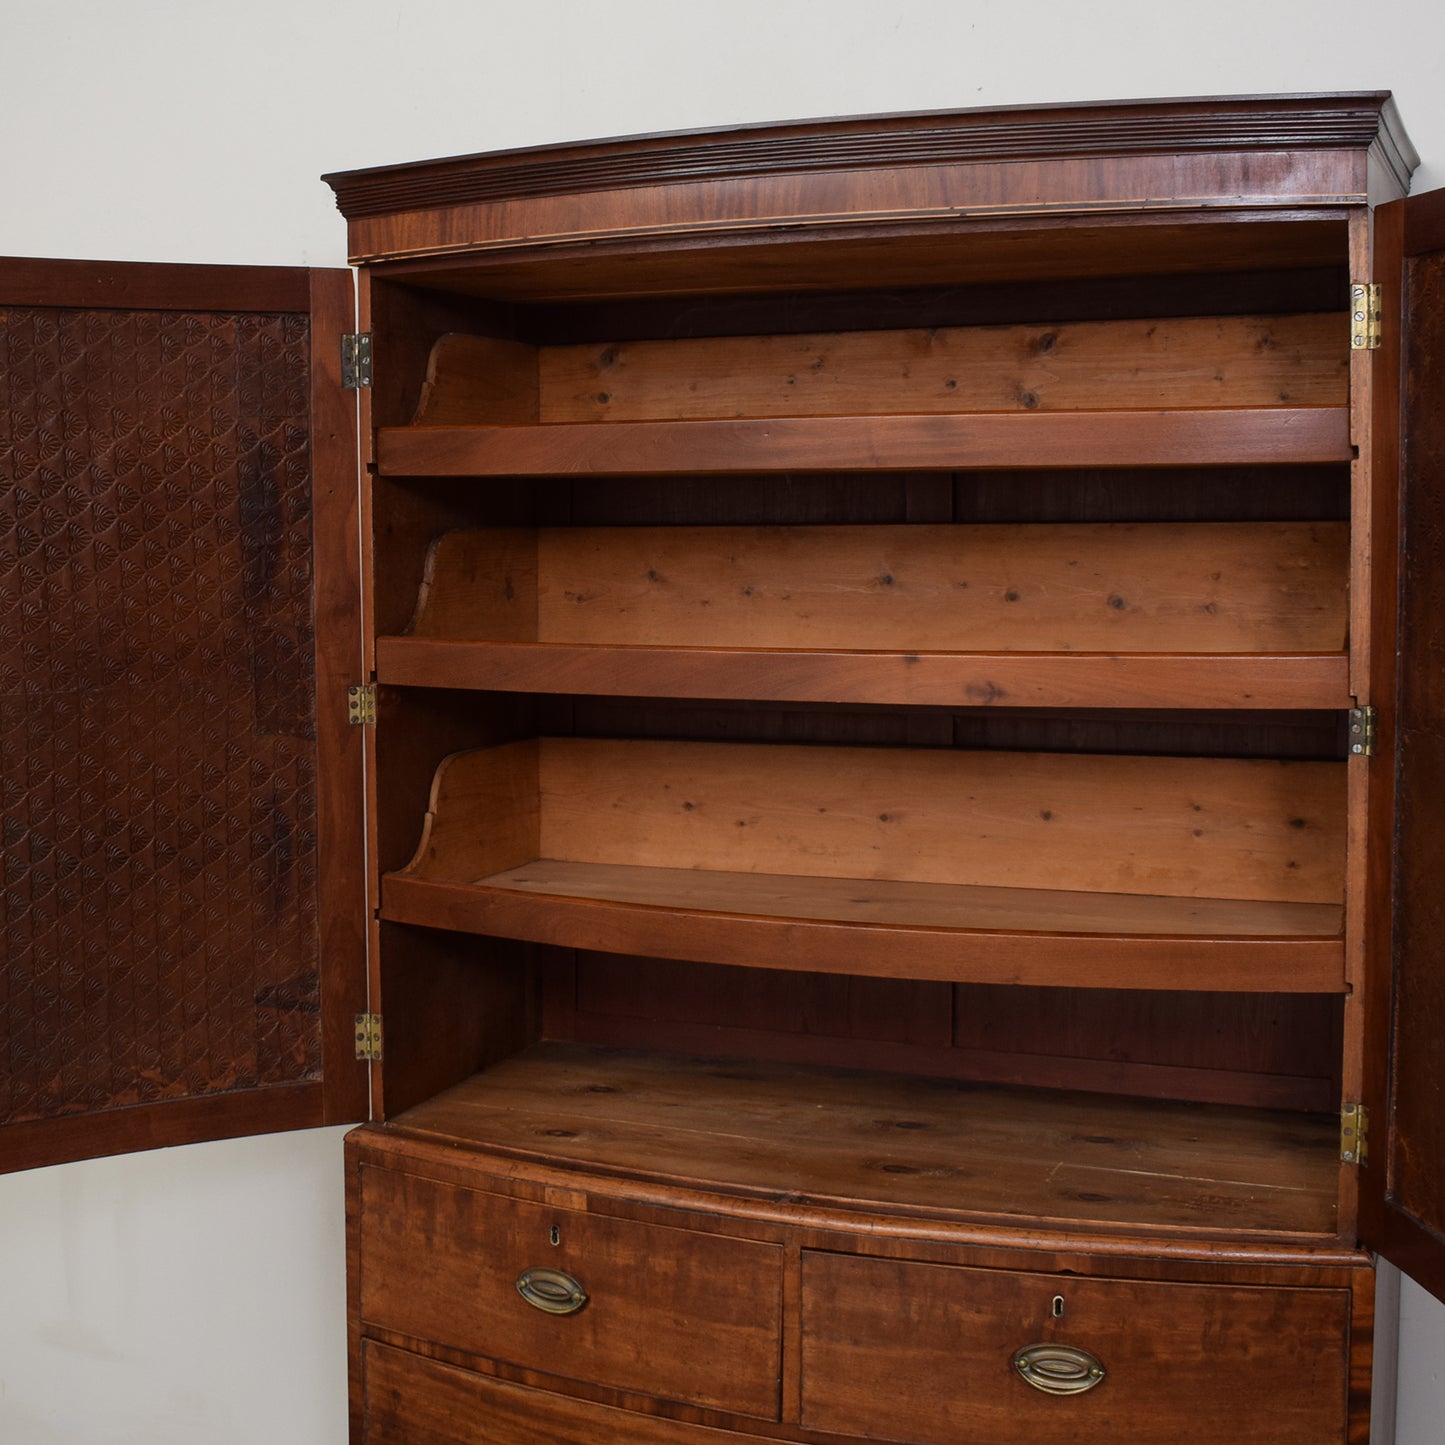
1161, 614
922, 679
1225, 436
1108, 872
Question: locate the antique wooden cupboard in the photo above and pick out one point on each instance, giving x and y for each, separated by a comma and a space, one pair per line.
851, 793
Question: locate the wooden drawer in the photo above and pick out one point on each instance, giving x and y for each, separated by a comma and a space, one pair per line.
408, 1400
672, 1313
922, 1352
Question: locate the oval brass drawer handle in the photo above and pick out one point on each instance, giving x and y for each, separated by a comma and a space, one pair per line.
1059, 1369
551, 1290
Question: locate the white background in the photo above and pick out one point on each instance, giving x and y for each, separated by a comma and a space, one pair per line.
197, 1294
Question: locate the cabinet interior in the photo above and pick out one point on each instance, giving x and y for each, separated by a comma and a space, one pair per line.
1013, 788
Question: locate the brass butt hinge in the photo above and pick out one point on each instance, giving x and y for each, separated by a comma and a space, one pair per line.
1354, 1134
355, 360
1366, 305
361, 705
1362, 731
368, 1036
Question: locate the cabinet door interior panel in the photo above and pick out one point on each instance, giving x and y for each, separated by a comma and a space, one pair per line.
179, 492
1408, 1203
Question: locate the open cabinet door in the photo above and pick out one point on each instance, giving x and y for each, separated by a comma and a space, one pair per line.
183, 906
1403, 1199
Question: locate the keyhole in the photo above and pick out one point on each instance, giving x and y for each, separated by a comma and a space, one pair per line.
1058, 1307
555, 1234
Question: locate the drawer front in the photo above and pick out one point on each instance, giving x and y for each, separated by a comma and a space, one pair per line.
667, 1312
925, 1353
408, 1400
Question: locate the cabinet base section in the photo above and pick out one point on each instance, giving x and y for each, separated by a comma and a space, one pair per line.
499, 1298
1277, 1376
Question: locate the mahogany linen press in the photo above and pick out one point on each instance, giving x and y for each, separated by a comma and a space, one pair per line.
832, 729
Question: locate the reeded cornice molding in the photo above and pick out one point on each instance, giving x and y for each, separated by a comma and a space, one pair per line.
1365, 120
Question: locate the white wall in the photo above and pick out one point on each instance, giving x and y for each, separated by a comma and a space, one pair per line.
196, 1294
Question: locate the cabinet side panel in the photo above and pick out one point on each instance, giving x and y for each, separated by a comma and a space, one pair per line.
163, 916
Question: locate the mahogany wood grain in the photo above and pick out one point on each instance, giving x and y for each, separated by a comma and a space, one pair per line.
983, 1066
341, 856
852, 1011
1406, 1214
1365, 120
870, 1141
1373, 528
450, 1005
917, 679
1380, 486
904, 256
1274, 1050
929, 905
1304, 735
1222, 437
153, 286
939, 194
712, 333
1182, 494
405, 323
1224, 1365
162, 1125
1301, 290
1289, 948
678, 1314
869, 1227
411, 1400
204, 986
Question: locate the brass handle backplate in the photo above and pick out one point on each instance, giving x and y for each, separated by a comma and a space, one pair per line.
551, 1290
1059, 1369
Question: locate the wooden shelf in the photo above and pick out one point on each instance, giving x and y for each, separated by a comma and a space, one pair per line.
1093, 871
921, 679
884, 928
1164, 615
892, 1144
1224, 436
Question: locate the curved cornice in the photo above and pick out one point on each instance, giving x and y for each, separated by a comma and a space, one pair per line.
1361, 120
